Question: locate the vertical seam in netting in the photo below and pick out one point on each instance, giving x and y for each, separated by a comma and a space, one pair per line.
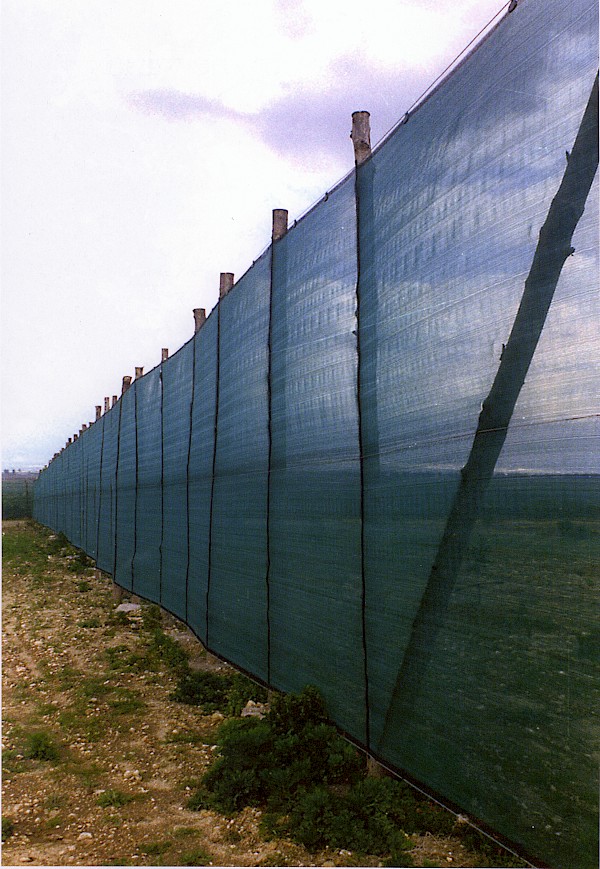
100, 491
116, 536
162, 485
187, 474
135, 503
214, 465
361, 462
270, 458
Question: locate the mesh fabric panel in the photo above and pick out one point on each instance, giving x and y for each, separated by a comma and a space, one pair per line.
106, 521
93, 453
315, 581
146, 566
126, 484
238, 590
177, 396
453, 242
200, 472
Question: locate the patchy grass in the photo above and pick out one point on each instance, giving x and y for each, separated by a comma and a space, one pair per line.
113, 799
197, 857
156, 849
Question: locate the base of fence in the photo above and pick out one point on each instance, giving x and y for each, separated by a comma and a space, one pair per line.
375, 769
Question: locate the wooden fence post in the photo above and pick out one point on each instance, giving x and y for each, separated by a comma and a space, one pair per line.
361, 136
199, 319
280, 223
225, 283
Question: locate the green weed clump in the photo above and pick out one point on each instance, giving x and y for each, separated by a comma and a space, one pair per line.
312, 785
113, 799
168, 650
156, 849
197, 857
274, 761
151, 617
40, 746
217, 692
8, 827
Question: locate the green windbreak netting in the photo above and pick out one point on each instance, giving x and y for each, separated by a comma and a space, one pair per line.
106, 518
92, 442
177, 397
376, 466
237, 597
453, 242
315, 582
201, 460
125, 494
148, 505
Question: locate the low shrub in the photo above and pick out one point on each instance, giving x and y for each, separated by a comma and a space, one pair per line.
8, 827
40, 746
312, 785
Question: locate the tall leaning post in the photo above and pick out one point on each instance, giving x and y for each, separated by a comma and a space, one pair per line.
98, 411
361, 140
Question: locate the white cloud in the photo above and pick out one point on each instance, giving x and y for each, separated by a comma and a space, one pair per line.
116, 221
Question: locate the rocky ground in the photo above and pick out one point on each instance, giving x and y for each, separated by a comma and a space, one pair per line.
98, 761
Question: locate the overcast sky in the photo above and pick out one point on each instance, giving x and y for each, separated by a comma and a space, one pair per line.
144, 145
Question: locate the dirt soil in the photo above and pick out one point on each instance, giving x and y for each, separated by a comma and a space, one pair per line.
127, 757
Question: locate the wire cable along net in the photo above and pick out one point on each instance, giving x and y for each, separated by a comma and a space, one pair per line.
376, 466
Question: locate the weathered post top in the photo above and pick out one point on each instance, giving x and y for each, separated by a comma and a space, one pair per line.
199, 319
361, 136
99, 410
126, 383
115, 398
225, 283
280, 223
139, 372
83, 427
106, 403
164, 354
